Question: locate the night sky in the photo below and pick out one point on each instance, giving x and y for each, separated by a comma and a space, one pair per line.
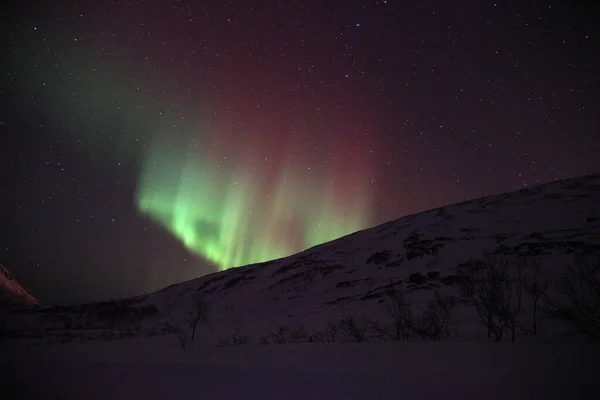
144, 143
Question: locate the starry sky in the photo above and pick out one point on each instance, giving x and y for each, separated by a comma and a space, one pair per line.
143, 143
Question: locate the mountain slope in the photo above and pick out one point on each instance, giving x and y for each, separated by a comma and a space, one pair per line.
551, 222
11, 291
314, 289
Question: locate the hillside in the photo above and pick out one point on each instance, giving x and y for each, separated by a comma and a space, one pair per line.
312, 308
351, 276
550, 222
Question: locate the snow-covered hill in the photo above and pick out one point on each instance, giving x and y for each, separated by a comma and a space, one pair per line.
350, 274
305, 298
11, 291
314, 289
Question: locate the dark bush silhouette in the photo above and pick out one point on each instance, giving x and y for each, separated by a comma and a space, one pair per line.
485, 286
332, 333
535, 283
435, 321
198, 313
577, 298
353, 329
510, 307
183, 337
400, 315
280, 335
238, 338
299, 334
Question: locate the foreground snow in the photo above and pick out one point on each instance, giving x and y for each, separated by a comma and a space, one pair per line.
156, 369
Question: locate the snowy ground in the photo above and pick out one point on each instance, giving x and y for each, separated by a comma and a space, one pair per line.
157, 369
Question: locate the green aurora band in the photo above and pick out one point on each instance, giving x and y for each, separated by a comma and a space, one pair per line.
208, 188
233, 217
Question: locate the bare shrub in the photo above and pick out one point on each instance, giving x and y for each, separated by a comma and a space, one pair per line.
280, 335
238, 338
198, 313
332, 332
484, 286
434, 323
510, 306
318, 336
399, 312
496, 290
380, 331
329, 334
183, 337
354, 330
578, 296
298, 334
535, 283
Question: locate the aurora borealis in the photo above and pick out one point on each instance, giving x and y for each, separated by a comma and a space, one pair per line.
148, 142
252, 210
